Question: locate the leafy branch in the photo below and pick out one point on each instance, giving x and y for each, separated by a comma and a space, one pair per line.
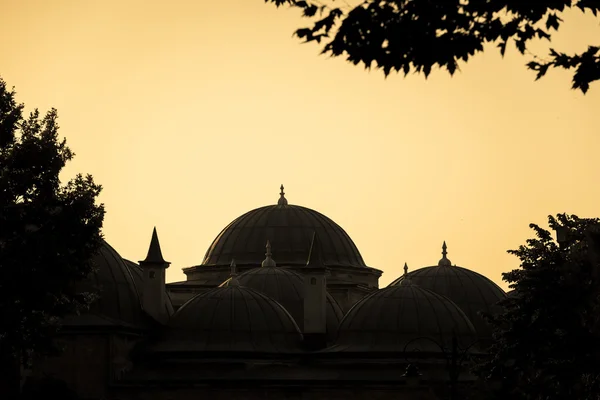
419, 35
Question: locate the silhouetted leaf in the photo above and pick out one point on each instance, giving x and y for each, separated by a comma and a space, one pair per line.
310, 11
303, 33
502, 46
451, 67
520, 46
552, 21
426, 70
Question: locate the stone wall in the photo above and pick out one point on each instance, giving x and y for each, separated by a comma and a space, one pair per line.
291, 393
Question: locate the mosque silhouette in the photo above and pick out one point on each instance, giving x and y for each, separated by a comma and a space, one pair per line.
282, 306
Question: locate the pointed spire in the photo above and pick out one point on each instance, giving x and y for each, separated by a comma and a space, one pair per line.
154, 253
282, 200
233, 274
405, 269
268, 262
444, 262
315, 254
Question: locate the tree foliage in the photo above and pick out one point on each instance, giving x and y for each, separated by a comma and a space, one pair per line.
49, 231
547, 340
419, 35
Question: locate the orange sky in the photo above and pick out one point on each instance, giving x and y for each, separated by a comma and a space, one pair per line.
191, 113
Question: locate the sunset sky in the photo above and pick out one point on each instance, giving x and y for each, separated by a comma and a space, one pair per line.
190, 113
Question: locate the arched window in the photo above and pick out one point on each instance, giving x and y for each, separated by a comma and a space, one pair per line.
313, 281
152, 274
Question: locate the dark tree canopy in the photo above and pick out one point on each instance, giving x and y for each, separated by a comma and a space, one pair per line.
49, 231
419, 35
547, 340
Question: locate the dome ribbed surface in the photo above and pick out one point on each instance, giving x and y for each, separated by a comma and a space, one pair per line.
233, 319
113, 282
289, 229
400, 318
287, 288
472, 292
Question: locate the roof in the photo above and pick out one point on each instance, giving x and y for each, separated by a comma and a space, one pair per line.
232, 319
287, 287
113, 282
404, 318
289, 228
154, 252
471, 291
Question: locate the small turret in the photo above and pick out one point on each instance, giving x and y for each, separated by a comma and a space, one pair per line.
154, 293
268, 261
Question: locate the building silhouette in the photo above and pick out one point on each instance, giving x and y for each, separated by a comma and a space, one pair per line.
282, 306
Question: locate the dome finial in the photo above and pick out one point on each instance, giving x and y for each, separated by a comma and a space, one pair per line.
268, 262
233, 274
282, 200
444, 262
405, 278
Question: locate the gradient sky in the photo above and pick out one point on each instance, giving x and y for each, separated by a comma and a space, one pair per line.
190, 113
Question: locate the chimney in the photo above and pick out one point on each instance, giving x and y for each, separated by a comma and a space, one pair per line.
154, 296
562, 235
315, 298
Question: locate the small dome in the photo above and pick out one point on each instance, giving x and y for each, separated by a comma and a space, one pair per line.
113, 282
290, 229
287, 287
234, 318
405, 317
472, 292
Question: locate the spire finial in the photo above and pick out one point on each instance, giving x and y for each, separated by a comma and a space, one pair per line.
268, 262
282, 200
233, 274
444, 262
405, 270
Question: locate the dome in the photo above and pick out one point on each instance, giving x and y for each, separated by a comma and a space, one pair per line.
472, 292
233, 319
290, 229
404, 317
113, 282
287, 288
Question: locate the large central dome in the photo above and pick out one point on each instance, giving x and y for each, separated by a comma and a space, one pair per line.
289, 228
